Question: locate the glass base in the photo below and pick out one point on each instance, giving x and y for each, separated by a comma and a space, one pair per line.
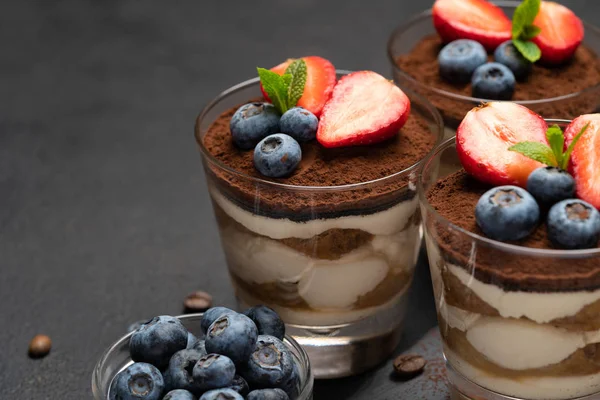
338, 351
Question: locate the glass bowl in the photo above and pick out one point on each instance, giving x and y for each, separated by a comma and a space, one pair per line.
117, 358
337, 270
454, 106
505, 338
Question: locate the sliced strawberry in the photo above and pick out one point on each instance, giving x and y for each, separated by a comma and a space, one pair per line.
585, 159
562, 32
486, 133
320, 80
364, 108
478, 20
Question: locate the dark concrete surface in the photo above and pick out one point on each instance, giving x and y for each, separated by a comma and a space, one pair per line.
104, 215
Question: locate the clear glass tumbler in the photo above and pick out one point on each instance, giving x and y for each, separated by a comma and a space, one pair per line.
335, 262
510, 331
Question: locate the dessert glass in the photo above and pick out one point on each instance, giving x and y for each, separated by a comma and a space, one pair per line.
506, 333
338, 275
454, 106
117, 358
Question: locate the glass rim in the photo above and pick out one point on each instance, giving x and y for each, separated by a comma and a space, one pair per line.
305, 391
455, 96
422, 101
513, 248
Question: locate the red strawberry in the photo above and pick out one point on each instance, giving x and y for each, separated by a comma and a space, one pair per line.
585, 159
486, 133
478, 20
364, 108
320, 80
562, 32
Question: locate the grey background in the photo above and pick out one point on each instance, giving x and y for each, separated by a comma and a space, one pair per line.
104, 216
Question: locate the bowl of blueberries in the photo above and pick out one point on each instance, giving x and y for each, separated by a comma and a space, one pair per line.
217, 355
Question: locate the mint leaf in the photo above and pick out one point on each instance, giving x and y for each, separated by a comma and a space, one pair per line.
297, 70
556, 139
524, 16
567, 155
536, 151
529, 32
529, 50
276, 87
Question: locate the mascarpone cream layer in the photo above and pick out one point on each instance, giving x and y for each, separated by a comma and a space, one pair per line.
385, 222
539, 388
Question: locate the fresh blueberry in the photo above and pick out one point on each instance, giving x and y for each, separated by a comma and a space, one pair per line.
253, 122
299, 123
214, 371
459, 59
549, 185
267, 321
507, 213
574, 224
221, 394
292, 385
211, 314
233, 335
179, 394
191, 341
493, 81
157, 340
267, 394
179, 373
277, 155
270, 366
240, 385
200, 346
138, 381
508, 55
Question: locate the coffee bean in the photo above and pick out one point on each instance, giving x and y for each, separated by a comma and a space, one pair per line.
198, 301
39, 346
409, 365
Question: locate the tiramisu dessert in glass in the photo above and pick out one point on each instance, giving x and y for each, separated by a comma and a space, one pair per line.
465, 52
512, 228
314, 190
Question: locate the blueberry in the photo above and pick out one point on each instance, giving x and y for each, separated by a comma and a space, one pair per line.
267, 321
299, 123
138, 381
507, 213
549, 185
253, 122
270, 366
292, 385
233, 335
221, 394
179, 373
179, 394
211, 314
214, 371
508, 55
200, 346
267, 394
240, 385
459, 59
493, 81
191, 341
157, 340
277, 155
574, 224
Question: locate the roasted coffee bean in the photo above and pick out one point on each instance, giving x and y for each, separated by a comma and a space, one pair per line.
40, 346
409, 365
198, 301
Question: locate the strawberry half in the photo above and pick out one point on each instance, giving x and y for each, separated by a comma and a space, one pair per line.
477, 20
562, 32
585, 159
364, 108
486, 133
320, 80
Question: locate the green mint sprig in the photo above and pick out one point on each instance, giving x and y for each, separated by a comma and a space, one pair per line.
285, 90
552, 155
523, 29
